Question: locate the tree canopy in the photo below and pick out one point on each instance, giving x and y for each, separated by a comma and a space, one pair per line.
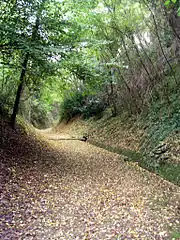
120, 55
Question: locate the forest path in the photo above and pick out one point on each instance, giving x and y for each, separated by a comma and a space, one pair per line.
87, 193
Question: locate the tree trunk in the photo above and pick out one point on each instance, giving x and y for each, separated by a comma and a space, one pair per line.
19, 91
112, 95
23, 74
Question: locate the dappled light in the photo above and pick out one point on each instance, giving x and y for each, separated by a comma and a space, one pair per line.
89, 119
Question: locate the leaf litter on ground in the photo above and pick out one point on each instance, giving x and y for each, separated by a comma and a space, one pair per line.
73, 190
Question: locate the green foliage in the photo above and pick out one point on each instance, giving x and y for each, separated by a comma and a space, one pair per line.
170, 172
7, 88
40, 117
85, 56
94, 107
40, 105
162, 121
104, 51
78, 104
168, 2
41, 33
72, 106
175, 235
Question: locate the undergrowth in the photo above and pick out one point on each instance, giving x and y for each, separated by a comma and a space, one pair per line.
170, 172
162, 121
131, 155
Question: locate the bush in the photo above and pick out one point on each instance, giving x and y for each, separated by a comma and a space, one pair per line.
94, 107
71, 106
79, 104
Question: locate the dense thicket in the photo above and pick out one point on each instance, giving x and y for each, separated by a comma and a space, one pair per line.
82, 57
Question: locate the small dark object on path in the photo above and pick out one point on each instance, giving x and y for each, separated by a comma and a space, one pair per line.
84, 138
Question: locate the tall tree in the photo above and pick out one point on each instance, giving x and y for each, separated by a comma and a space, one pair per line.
40, 33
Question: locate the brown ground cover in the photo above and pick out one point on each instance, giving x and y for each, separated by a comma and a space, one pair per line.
72, 190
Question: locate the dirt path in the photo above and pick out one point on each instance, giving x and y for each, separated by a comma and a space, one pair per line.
87, 193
